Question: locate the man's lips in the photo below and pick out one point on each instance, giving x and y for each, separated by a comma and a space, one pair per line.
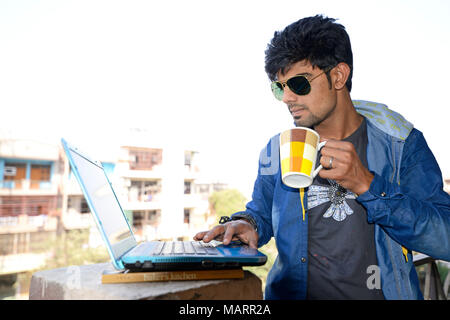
297, 112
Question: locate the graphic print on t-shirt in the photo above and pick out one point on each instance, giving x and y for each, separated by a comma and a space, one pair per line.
336, 195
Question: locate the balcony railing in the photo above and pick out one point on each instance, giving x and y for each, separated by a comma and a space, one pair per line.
432, 286
140, 197
24, 184
9, 221
25, 223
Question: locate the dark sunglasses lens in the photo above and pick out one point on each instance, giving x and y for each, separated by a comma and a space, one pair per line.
299, 85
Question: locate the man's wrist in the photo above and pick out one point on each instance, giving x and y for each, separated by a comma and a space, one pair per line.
365, 185
240, 216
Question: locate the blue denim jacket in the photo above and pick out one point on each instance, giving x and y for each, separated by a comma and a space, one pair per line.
406, 202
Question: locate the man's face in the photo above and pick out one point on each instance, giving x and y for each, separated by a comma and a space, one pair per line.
312, 109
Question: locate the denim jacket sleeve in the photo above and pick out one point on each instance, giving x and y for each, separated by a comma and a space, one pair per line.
416, 212
260, 207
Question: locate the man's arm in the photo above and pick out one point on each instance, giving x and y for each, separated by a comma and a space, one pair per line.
260, 208
415, 213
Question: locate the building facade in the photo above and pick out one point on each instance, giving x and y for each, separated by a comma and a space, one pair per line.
158, 189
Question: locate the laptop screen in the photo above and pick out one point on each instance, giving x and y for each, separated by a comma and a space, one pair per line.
104, 203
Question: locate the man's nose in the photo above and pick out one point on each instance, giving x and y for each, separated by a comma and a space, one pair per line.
289, 96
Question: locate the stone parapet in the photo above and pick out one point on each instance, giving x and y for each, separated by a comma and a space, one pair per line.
84, 283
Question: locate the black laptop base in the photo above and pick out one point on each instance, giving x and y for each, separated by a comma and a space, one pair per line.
147, 266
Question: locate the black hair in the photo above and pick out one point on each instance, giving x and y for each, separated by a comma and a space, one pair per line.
319, 40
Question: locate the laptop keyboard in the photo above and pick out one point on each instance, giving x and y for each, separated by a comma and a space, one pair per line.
168, 248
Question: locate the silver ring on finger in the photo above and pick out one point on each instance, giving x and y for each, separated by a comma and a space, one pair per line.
330, 163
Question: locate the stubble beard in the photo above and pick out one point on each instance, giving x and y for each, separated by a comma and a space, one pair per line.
311, 120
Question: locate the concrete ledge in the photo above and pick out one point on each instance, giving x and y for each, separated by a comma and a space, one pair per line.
84, 283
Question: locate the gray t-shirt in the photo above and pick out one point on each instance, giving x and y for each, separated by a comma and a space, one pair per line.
341, 243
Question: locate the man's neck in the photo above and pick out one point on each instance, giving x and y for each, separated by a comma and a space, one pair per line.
343, 121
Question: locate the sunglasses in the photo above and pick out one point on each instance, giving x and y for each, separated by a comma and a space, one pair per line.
299, 85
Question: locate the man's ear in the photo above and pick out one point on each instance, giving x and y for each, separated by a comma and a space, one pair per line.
340, 74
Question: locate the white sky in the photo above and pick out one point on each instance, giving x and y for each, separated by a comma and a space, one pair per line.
85, 69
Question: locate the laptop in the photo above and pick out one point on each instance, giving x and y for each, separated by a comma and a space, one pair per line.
125, 252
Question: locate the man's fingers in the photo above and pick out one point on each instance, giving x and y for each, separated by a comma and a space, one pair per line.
330, 162
328, 173
338, 144
199, 236
326, 162
229, 233
336, 154
213, 233
244, 232
253, 242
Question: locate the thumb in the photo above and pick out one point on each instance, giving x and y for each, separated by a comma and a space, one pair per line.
253, 244
252, 240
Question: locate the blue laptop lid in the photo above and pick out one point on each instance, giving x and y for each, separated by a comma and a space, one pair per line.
103, 203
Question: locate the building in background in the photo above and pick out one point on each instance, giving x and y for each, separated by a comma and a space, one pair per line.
30, 201
158, 187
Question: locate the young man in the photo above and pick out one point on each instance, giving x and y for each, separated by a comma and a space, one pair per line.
380, 197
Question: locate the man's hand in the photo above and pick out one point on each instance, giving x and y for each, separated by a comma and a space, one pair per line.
231, 231
346, 167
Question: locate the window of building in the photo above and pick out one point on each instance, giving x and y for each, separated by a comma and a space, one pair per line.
187, 215
144, 158
188, 158
144, 190
84, 206
145, 217
78, 203
6, 244
22, 242
39, 173
187, 187
138, 219
37, 205
203, 188
14, 243
15, 173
